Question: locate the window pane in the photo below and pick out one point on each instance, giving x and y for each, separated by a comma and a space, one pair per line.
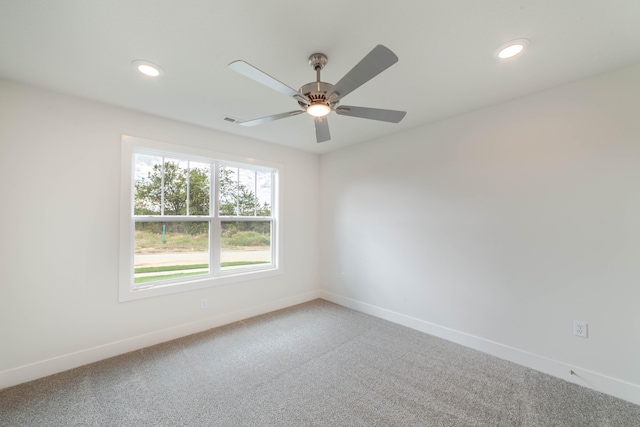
199, 188
245, 243
263, 180
228, 191
148, 185
166, 250
175, 187
247, 200
245, 192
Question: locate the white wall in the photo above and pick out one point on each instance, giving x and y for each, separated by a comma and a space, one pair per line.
59, 222
498, 228
495, 229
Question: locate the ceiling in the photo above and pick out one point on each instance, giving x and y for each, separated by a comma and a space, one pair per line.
446, 55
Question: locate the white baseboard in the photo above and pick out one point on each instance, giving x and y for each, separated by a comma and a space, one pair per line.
65, 362
584, 377
599, 382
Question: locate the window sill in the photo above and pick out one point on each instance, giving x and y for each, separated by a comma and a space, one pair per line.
130, 294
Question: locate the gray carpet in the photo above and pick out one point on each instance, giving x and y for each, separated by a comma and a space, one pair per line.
315, 364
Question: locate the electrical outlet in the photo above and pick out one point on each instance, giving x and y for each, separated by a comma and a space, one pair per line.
204, 303
580, 328
343, 276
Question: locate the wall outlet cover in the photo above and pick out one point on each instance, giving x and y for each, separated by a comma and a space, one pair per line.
580, 328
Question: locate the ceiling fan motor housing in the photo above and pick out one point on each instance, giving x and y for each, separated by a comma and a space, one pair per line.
316, 92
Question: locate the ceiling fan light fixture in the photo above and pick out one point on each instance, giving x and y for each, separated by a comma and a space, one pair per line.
318, 110
511, 49
148, 68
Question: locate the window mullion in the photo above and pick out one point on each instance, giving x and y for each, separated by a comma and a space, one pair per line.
188, 181
214, 191
162, 188
255, 192
215, 226
238, 191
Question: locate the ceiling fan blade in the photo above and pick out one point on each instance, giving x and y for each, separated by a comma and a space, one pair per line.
392, 116
267, 119
376, 61
322, 129
253, 73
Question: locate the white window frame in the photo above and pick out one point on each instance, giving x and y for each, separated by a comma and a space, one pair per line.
127, 290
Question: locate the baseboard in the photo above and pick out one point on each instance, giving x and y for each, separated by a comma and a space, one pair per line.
33, 371
584, 377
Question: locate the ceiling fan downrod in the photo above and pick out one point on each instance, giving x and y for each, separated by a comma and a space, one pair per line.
315, 91
317, 62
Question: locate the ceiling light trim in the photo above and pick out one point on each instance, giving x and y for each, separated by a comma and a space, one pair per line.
508, 50
148, 68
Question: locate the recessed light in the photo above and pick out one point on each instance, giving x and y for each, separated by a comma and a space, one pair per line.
511, 49
148, 68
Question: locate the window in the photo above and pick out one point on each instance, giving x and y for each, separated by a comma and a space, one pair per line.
192, 218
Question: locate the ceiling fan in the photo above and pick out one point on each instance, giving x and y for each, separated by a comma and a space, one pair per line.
318, 98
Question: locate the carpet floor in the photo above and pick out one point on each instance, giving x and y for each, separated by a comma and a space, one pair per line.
314, 364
